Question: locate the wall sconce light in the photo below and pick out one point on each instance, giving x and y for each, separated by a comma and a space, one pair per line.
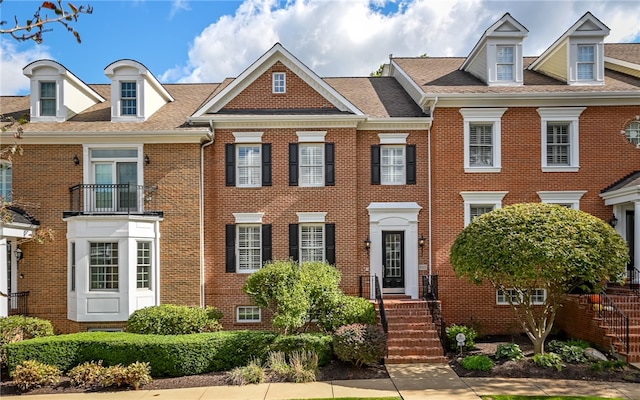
76, 160
421, 242
147, 160
367, 244
613, 221
19, 255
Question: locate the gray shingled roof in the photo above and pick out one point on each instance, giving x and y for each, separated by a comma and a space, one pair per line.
629, 52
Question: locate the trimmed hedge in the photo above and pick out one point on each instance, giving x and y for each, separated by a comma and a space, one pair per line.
177, 355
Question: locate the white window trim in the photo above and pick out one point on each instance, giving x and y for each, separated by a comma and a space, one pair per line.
237, 247
248, 321
248, 218
569, 115
505, 302
571, 197
311, 136
248, 137
480, 198
393, 138
324, 239
151, 263
483, 115
6, 168
404, 164
238, 167
301, 180
492, 61
598, 61
513, 63
61, 112
311, 217
273, 82
116, 95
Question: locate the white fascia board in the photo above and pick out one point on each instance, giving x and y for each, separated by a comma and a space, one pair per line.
408, 84
623, 195
622, 63
155, 83
279, 121
195, 136
537, 99
409, 123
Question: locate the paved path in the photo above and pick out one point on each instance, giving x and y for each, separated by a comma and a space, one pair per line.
410, 381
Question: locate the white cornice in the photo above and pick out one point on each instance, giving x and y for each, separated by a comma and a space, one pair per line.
404, 124
538, 99
279, 121
194, 136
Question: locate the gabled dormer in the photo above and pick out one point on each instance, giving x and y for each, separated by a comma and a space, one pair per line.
57, 94
577, 57
497, 57
135, 93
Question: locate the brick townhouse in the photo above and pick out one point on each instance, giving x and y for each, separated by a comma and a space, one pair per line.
174, 193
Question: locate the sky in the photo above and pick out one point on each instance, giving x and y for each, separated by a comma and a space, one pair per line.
209, 40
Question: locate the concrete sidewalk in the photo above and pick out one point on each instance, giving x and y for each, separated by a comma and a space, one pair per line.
410, 381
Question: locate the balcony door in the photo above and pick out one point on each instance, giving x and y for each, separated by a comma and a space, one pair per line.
115, 178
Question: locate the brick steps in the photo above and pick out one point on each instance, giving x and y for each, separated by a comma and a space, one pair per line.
412, 336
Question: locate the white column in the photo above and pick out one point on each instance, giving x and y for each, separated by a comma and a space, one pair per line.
4, 283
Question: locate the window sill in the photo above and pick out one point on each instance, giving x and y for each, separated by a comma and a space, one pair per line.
560, 169
483, 169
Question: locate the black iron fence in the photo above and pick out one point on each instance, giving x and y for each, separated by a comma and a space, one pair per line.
430, 294
612, 317
633, 277
118, 198
18, 303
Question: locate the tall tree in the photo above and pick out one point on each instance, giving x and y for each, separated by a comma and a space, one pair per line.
525, 247
34, 27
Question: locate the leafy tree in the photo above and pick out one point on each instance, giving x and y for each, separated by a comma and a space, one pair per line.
33, 29
524, 247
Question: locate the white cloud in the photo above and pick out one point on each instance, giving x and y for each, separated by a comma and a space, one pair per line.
177, 6
353, 37
12, 60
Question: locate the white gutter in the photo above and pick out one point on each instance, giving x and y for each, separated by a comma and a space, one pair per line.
429, 186
212, 137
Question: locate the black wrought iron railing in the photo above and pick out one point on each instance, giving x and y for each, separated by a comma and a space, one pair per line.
633, 277
612, 317
365, 283
430, 287
18, 303
380, 301
118, 198
430, 294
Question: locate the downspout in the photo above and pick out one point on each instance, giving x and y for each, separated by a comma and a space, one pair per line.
212, 137
433, 108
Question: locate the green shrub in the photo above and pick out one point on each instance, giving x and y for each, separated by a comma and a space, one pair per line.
583, 344
608, 365
548, 360
213, 313
469, 333
315, 342
33, 374
170, 319
173, 355
304, 366
87, 374
477, 363
18, 327
510, 351
251, 373
359, 344
346, 310
570, 351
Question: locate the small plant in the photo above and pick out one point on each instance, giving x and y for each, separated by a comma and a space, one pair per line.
548, 360
277, 363
583, 344
359, 344
304, 366
134, 375
469, 333
571, 351
251, 373
87, 374
170, 319
33, 374
510, 351
477, 363
608, 365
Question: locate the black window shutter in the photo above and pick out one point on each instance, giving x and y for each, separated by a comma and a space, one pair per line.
230, 240
293, 164
411, 164
294, 253
266, 243
266, 164
329, 164
375, 164
230, 164
330, 245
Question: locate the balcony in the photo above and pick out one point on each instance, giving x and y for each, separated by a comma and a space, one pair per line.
110, 199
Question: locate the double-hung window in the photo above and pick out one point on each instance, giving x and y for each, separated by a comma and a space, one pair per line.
248, 243
560, 138
478, 203
248, 161
482, 139
128, 98
505, 63
311, 161
48, 103
393, 161
279, 82
514, 296
311, 164
143, 269
6, 181
586, 62
103, 266
311, 239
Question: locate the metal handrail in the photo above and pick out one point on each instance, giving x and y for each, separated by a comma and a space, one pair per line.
18, 304
614, 318
430, 287
118, 198
633, 275
431, 295
383, 314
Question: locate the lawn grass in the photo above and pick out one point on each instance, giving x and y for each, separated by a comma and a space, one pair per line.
515, 397
358, 398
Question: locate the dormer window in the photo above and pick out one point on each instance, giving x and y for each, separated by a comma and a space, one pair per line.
504, 63
279, 82
128, 98
586, 62
48, 99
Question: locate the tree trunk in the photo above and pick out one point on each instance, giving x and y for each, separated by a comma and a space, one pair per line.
538, 345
